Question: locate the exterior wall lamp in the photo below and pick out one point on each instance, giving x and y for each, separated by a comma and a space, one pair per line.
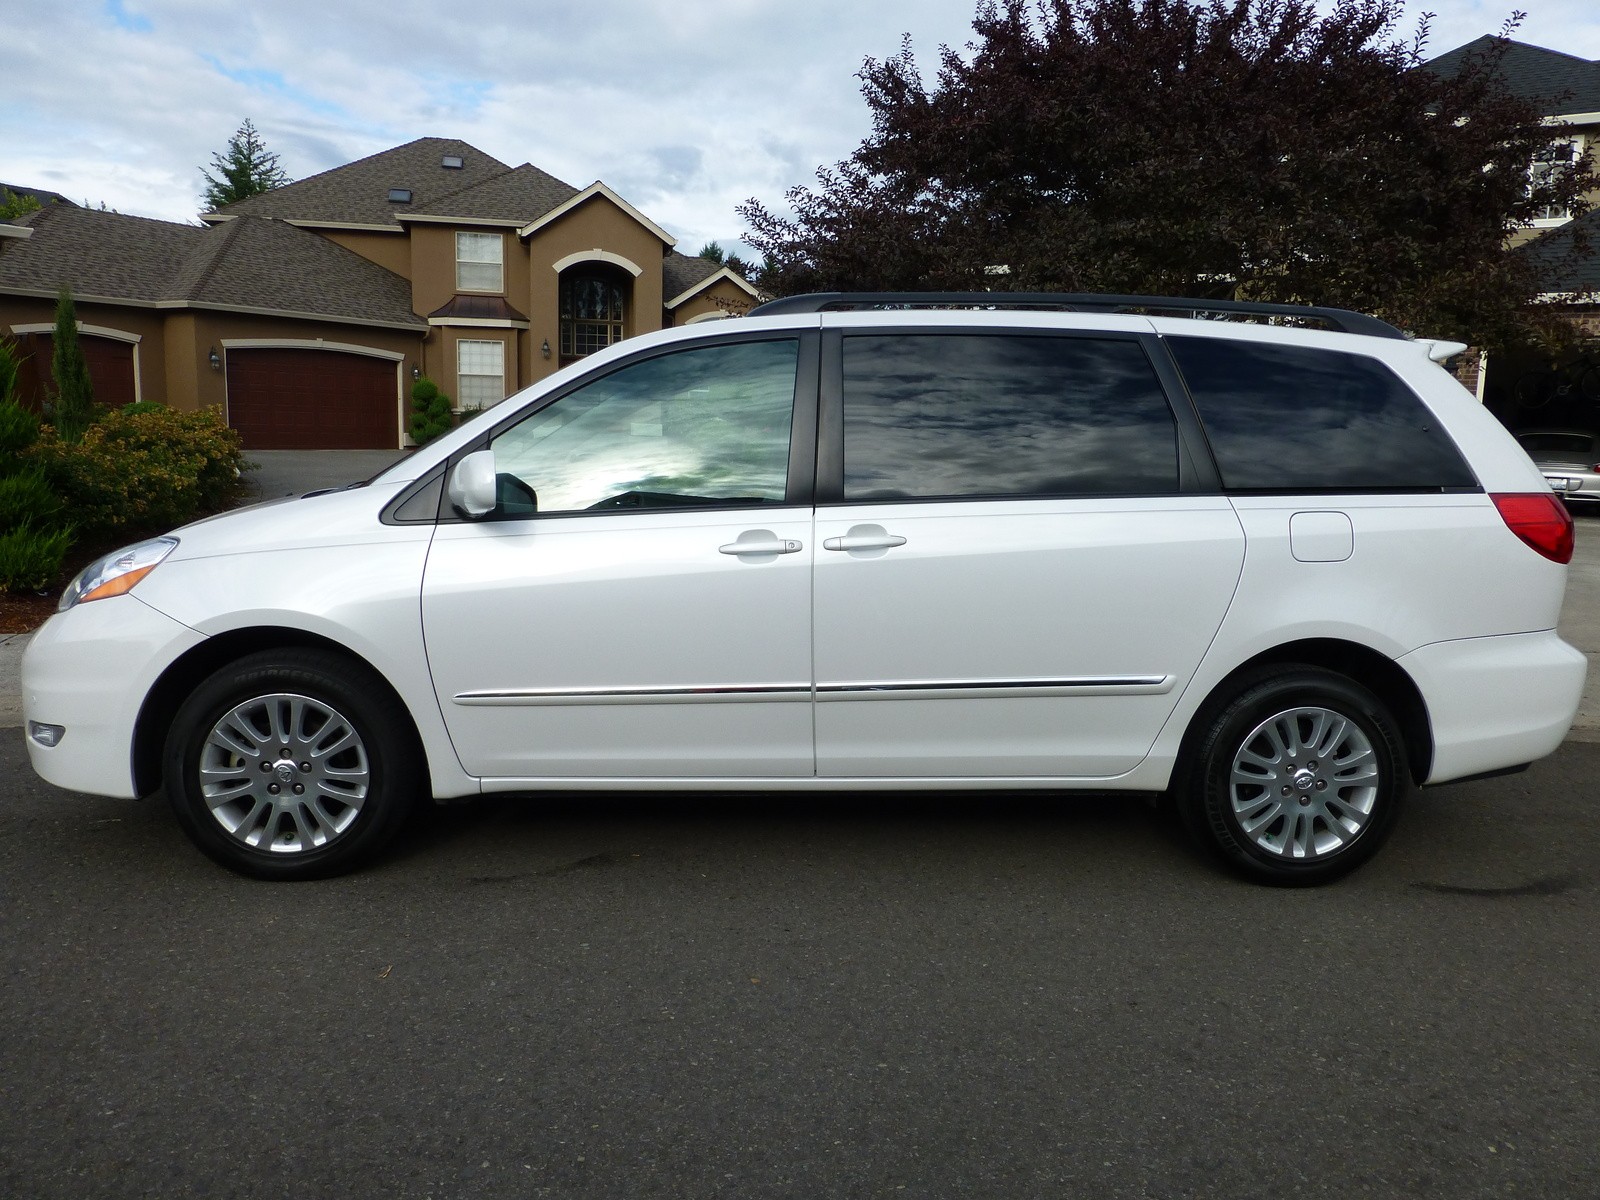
215, 359
545, 349
416, 372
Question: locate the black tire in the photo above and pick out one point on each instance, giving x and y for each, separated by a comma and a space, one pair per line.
353, 757
1321, 774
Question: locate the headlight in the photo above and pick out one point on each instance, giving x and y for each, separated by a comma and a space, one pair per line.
117, 572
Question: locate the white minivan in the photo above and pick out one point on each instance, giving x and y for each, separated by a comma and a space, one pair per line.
1273, 561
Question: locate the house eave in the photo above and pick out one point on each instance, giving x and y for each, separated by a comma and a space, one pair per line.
20, 232
341, 226
417, 327
478, 323
596, 188
431, 219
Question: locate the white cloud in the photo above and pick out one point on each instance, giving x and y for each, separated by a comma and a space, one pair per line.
685, 108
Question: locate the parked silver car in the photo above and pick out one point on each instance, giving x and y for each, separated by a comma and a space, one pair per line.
1570, 460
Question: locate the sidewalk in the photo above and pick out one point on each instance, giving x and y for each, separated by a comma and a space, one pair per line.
1580, 625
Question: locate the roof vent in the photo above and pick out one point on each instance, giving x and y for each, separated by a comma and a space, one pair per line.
400, 195
453, 161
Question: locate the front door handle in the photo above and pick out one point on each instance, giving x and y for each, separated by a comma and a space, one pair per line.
761, 541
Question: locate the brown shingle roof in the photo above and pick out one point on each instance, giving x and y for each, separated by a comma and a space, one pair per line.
358, 193
519, 196
263, 264
246, 263
97, 253
680, 272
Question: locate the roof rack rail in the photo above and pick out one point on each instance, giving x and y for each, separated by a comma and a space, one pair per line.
1340, 319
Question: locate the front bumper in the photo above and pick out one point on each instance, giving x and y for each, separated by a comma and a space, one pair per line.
1496, 702
88, 670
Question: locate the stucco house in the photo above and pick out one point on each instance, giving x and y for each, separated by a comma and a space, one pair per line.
306, 312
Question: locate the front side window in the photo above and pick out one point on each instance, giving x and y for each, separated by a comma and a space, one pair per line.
930, 416
700, 428
480, 262
1294, 419
480, 374
592, 300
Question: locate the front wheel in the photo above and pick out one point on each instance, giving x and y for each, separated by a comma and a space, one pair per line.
291, 764
1298, 779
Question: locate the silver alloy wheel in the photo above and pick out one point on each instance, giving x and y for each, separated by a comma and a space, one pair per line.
1304, 783
285, 773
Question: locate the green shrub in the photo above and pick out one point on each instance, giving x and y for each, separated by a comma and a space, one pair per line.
25, 496
19, 429
144, 471
10, 370
30, 559
143, 406
430, 412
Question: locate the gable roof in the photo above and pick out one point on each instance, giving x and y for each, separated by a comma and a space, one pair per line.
684, 276
245, 264
358, 192
597, 188
514, 197
1562, 84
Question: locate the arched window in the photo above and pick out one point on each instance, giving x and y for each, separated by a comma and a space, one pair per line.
593, 300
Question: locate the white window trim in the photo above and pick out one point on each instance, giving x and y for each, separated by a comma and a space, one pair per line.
597, 255
478, 233
505, 370
1579, 145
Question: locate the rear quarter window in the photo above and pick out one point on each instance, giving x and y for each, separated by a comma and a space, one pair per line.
1295, 419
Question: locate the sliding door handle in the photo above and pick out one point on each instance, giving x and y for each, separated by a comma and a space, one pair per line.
864, 541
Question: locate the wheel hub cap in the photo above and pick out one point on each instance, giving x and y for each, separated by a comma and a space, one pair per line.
1303, 784
284, 773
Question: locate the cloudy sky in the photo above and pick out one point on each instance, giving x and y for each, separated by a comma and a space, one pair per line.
686, 107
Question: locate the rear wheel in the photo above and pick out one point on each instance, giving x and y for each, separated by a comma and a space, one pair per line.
1298, 779
291, 764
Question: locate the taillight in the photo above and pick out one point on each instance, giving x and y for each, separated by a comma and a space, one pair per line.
1540, 520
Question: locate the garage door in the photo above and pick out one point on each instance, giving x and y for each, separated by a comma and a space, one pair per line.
313, 400
110, 369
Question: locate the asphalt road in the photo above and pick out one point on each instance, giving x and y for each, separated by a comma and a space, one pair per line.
1012, 997
748, 998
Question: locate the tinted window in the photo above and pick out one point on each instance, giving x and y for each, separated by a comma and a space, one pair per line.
931, 415
1285, 418
698, 428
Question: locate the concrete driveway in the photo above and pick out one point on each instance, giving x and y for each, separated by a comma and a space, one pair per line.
276, 473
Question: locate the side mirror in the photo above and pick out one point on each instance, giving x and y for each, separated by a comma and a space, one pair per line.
472, 485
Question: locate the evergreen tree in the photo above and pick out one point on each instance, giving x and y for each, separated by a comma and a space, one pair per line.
711, 251
246, 168
73, 402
